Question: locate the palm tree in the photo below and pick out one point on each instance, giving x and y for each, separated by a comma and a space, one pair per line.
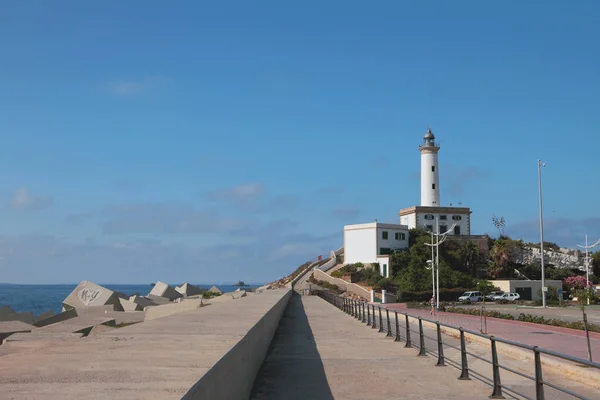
500, 255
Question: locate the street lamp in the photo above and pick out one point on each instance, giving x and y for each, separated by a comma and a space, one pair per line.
540, 165
587, 263
430, 263
437, 243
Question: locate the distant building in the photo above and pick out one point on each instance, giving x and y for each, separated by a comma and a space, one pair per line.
373, 242
431, 215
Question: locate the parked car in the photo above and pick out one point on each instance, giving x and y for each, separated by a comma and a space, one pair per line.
473, 297
509, 296
492, 296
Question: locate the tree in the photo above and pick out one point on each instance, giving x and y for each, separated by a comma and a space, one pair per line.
574, 283
596, 263
499, 224
500, 255
486, 287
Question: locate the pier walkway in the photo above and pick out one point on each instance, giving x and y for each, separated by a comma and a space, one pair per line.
319, 353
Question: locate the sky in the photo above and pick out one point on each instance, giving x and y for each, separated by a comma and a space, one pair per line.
213, 142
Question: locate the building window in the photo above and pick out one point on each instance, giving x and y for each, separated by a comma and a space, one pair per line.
400, 236
429, 227
428, 216
443, 217
384, 235
456, 217
384, 250
457, 230
443, 228
433, 185
433, 168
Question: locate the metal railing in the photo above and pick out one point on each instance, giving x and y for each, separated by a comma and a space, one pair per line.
373, 316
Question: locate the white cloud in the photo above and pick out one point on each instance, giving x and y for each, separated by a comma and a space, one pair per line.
24, 200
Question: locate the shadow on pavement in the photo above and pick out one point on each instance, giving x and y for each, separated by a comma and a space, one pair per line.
293, 368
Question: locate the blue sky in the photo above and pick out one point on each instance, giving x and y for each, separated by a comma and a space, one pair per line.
214, 142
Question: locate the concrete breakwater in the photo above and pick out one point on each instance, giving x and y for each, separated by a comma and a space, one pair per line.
209, 352
89, 304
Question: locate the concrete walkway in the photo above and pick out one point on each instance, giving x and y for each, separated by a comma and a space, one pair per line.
562, 340
320, 353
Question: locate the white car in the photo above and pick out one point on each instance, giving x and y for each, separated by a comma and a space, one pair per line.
473, 297
509, 297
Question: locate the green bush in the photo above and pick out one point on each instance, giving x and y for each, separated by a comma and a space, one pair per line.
385, 284
551, 296
477, 312
347, 270
445, 295
557, 322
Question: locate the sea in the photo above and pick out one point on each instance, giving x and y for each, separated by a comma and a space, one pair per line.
41, 298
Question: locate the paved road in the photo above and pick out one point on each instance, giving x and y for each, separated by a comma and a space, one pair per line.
563, 340
320, 353
571, 313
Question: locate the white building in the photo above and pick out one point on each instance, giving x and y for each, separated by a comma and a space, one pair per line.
373, 242
430, 214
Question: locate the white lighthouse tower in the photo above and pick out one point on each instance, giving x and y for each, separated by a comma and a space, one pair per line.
430, 175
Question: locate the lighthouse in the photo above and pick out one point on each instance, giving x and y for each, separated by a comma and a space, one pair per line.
430, 175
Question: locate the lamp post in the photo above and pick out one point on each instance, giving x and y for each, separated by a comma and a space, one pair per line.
540, 165
436, 261
431, 267
587, 262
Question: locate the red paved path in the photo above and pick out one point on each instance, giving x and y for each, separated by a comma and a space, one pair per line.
562, 340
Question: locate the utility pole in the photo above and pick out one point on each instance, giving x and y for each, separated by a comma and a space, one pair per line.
540, 165
587, 262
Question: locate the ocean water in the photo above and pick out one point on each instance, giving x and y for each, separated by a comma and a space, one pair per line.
41, 298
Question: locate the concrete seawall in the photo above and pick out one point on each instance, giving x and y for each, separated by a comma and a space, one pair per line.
232, 377
212, 352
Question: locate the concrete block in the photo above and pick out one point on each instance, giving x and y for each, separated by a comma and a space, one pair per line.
238, 294
163, 290
157, 300
143, 302
5, 313
43, 316
215, 289
88, 294
63, 316
188, 290
172, 308
127, 305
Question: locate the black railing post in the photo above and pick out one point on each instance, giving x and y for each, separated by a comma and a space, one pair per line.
408, 343
421, 339
364, 319
368, 315
380, 320
440, 344
389, 325
357, 308
497, 385
352, 308
539, 381
374, 319
464, 370
397, 338
344, 305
